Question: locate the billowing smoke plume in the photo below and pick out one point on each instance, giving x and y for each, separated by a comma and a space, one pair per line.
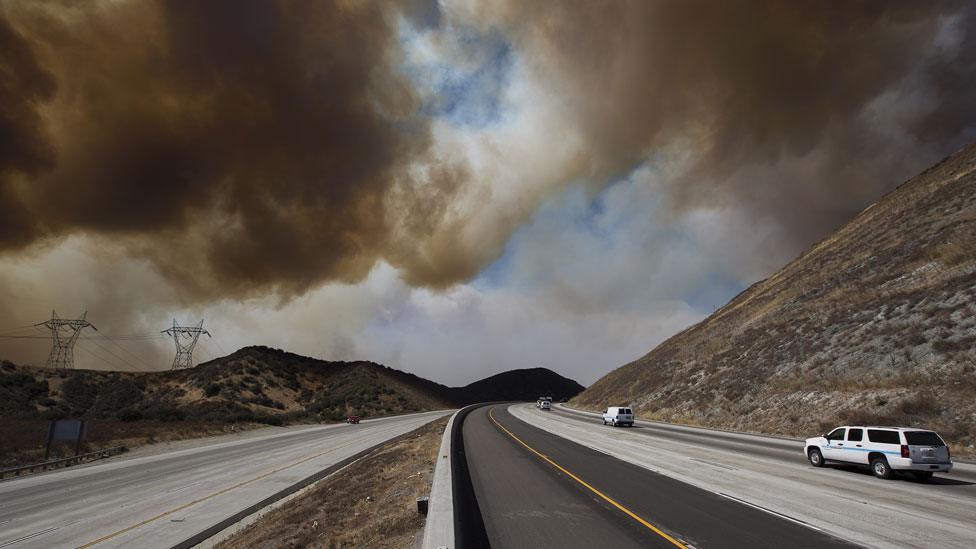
248, 148
23, 148
244, 147
802, 112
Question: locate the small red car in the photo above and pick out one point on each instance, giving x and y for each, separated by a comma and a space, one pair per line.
352, 419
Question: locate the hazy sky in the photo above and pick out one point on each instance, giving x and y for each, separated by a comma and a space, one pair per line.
451, 188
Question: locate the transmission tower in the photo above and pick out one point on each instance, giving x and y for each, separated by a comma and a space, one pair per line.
64, 333
186, 338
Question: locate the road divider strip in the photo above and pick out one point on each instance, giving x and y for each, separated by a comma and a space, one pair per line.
453, 517
439, 527
586, 485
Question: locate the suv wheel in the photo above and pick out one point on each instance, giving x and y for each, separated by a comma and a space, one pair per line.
815, 457
880, 468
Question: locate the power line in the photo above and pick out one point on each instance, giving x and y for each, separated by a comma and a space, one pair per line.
222, 351
64, 333
126, 351
93, 341
185, 338
18, 328
99, 357
108, 351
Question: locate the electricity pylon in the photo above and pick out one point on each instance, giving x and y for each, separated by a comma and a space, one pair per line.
185, 338
64, 332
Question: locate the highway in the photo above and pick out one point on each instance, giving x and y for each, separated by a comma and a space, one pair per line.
537, 489
772, 474
162, 500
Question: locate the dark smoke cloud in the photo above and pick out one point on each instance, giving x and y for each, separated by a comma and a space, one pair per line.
770, 99
244, 146
255, 147
24, 151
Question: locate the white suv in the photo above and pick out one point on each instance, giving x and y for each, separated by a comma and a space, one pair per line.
884, 449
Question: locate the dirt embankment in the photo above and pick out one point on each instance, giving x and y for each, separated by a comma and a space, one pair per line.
371, 503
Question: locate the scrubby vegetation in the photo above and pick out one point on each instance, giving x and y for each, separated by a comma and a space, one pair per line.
371, 504
875, 324
255, 384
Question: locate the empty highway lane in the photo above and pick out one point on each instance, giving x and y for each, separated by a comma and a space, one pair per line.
536, 489
773, 474
162, 500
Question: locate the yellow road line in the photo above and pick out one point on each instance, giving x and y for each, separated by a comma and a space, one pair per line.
605, 497
218, 493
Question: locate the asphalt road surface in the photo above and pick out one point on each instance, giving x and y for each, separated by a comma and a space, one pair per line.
536, 489
772, 474
162, 500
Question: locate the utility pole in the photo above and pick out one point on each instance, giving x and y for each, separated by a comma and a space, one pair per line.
185, 338
64, 332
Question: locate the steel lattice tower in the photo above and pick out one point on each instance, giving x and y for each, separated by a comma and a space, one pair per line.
185, 338
64, 332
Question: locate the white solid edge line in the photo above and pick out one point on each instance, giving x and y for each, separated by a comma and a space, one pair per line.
774, 513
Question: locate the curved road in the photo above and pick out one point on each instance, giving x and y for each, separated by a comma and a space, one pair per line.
771, 473
537, 489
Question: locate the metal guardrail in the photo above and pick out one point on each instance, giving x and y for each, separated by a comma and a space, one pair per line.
67, 462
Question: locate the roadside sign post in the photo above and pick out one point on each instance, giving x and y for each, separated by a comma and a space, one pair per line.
65, 429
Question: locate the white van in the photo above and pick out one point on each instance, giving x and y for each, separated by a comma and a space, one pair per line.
545, 405
618, 415
884, 449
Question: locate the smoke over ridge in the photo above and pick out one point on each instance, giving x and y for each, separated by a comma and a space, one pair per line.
241, 150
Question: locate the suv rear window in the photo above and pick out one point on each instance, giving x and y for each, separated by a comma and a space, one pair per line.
884, 437
626, 411
923, 438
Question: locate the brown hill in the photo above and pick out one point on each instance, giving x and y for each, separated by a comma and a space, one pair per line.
253, 384
525, 384
875, 324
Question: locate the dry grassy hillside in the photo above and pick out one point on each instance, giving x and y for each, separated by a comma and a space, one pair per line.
875, 324
253, 384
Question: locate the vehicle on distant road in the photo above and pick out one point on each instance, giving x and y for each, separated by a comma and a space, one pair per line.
352, 419
884, 449
545, 405
618, 415
539, 402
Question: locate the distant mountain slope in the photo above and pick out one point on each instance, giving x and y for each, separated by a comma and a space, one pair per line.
252, 384
875, 324
527, 384
255, 384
